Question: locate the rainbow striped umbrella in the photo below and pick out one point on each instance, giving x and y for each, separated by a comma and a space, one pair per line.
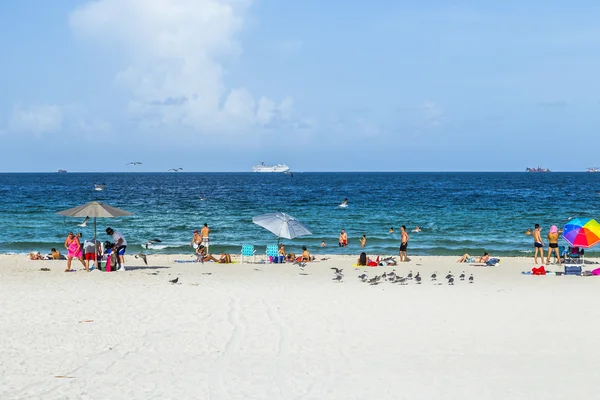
582, 232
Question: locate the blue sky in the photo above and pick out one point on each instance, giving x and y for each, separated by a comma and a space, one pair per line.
212, 85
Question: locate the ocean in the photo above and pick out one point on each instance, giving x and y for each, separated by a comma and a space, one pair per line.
458, 212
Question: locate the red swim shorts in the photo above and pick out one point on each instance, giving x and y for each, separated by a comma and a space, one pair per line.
90, 256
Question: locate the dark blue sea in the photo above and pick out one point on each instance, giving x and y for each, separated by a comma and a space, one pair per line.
458, 212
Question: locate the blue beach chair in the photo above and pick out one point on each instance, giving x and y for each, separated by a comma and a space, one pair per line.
272, 251
248, 251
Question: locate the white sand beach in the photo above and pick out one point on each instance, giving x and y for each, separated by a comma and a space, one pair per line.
256, 331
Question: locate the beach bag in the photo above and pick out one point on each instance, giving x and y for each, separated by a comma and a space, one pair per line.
539, 271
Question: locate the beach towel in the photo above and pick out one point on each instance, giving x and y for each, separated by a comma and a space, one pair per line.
596, 271
492, 262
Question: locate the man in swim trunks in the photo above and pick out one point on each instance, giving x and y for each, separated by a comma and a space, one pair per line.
343, 241
403, 243
538, 243
119, 248
553, 243
204, 232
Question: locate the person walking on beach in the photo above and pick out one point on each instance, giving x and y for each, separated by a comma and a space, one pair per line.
204, 232
73, 247
553, 244
403, 244
119, 248
538, 243
363, 241
343, 239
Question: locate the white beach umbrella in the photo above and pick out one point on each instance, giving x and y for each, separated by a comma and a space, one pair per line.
282, 225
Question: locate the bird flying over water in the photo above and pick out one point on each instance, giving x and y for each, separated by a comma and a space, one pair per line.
134, 163
176, 169
289, 173
152, 241
84, 223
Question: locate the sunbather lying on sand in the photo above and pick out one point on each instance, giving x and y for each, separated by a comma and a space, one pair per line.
468, 259
225, 259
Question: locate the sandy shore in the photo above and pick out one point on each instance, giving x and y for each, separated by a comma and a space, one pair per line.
267, 332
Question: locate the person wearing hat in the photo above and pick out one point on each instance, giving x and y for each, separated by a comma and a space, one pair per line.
196, 240
119, 247
553, 243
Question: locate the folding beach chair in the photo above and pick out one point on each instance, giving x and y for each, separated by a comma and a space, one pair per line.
575, 255
248, 251
271, 253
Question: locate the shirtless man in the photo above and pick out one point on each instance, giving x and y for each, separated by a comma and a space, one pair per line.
553, 243
363, 241
204, 232
403, 244
538, 243
196, 240
343, 241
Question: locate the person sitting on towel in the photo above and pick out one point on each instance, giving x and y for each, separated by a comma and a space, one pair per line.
201, 255
225, 259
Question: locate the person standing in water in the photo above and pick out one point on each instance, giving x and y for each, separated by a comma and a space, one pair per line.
538, 243
363, 241
204, 232
403, 243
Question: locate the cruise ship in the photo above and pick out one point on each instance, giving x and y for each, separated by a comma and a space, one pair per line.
62, 171
270, 168
593, 169
538, 169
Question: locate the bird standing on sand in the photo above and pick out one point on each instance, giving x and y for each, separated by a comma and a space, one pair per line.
174, 281
142, 256
402, 280
462, 276
339, 275
374, 281
410, 275
434, 276
471, 278
418, 278
363, 277
391, 276
449, 275
451, 280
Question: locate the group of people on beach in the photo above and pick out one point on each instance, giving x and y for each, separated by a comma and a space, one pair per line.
93, 250
538, 243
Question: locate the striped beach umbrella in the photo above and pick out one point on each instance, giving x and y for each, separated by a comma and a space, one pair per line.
582, 232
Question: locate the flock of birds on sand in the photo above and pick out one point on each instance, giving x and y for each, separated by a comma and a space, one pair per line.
392, 277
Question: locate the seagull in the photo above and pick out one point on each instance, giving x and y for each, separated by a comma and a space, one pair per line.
99, 186
451, 280
471, 278
176, 169
418, 278
84, 223
449, 275
202, 197
392, 275
174, 281
134, 163
410, 275
142, 256
402, 280
152, 241
289, 173
462, 276
344, 203
434, 276
384, 276
302, 265
337, 271
374, 281
363, 277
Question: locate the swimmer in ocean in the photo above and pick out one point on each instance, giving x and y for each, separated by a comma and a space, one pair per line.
392, 230
417, 229
344, 203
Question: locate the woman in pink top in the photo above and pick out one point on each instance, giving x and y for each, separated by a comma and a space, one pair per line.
73, 247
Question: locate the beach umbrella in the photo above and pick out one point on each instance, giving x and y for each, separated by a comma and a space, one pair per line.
94, 210
582, 232
282, 225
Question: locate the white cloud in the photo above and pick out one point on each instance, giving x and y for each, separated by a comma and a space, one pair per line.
36, 119
175, 51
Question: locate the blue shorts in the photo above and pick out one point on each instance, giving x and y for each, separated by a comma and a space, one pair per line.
538, 244
120, 250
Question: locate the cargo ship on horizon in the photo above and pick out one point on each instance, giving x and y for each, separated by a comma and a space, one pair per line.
538, 169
